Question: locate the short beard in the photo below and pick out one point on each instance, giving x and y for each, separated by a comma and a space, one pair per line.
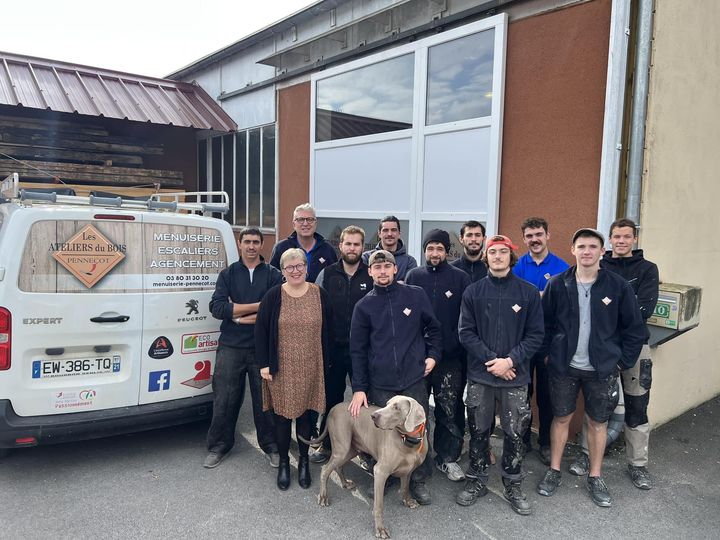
473, 252
346, 257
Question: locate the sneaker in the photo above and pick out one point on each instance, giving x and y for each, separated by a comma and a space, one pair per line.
274, 458
581, 465
550, 482
319, 455
514, 495
640, 477
599, 491
420, 492
213, 459
544, 455
474, 489
452, 470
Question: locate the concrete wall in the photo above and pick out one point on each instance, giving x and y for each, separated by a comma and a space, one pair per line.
681, 191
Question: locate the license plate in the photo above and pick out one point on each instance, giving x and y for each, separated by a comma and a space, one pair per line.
47, 369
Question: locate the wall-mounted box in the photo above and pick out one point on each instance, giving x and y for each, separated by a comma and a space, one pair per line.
678, 307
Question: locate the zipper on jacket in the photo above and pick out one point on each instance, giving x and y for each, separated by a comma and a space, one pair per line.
392, 321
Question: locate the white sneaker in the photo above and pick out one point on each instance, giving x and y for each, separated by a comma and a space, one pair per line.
452, 470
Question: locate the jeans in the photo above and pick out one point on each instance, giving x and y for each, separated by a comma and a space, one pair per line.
228, 384
418, 392
514, 419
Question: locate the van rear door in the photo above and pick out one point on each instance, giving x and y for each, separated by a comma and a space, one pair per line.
182, 260
77, 310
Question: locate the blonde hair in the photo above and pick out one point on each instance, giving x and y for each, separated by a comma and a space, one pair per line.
290, 254
352, 229
306, 207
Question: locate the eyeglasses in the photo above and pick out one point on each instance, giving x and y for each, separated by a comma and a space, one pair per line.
299, 267
305, 220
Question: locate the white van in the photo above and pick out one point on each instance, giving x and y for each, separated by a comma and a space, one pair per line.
105, 325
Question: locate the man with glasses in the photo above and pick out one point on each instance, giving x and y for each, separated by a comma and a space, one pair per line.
236, 299
501, 327
389, 235
318, 251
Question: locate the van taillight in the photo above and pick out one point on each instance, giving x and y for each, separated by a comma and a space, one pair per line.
5, 338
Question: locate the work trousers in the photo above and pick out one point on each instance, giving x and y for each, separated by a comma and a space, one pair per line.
514, 418
447, 382
232, 364
541, 389
418, 392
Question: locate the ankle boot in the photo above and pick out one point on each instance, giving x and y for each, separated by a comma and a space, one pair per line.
283, 476
304, 472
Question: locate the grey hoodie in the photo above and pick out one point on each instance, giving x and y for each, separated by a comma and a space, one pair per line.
403, 261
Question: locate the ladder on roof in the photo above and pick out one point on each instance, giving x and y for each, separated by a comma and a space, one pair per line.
201, 201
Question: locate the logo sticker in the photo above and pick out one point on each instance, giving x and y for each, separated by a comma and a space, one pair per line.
198, 343
606, 301
407, 312
322, 260
73, 400
363, 286
202, 378
159, 380
516, 308
547, 276
88, 255
161, 348
448, 293
192, 306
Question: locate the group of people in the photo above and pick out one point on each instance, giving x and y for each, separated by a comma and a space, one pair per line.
489, 325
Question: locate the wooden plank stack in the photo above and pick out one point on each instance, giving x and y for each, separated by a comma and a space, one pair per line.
68, 152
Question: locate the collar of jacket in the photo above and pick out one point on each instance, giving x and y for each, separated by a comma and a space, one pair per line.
501, 281
399, 251
637, 255
379, 289
242, 263
317, 236
439, 268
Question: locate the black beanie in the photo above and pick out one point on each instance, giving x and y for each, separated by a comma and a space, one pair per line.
437, 235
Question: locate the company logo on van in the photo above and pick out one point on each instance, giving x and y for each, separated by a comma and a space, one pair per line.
88, 255
88, 395
192, 307
203, 377
198, 343
161, 348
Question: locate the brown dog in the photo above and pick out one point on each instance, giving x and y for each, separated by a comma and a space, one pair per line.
394, 435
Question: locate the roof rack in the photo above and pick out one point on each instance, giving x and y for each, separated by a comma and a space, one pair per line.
204, 201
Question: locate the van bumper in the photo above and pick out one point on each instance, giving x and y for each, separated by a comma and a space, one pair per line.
59, 428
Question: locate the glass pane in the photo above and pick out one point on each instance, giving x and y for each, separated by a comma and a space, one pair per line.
202, 165
228, 166
241, 178
331, 228
216, 165
460, 74
254, 177
372, 99
453, 228
268, 184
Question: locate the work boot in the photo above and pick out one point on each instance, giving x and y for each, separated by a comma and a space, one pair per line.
420, 492
544, 455
283, 476
640, 477
599, 491
550, 482
319, 455
304, 472
514, 495
213, 459
474, 489
581, 465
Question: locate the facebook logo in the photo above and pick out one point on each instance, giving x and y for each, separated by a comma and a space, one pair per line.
159, 380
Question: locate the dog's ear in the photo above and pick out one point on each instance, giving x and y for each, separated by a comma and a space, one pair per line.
415, 417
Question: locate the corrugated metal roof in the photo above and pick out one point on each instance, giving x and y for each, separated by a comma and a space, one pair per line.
38, 83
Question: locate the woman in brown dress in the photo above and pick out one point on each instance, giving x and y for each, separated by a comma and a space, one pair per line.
292, 345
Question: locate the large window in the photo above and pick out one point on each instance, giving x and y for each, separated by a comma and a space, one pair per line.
243, 165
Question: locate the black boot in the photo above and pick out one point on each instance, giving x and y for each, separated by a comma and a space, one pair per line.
304, 472
514, 495
283, 477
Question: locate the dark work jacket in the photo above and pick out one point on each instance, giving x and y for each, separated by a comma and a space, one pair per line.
266, 329
444, 285
393, 331
643, 277
403, 261
234, 287
321, 255
617, 330
475, 269
500, 318
344, 292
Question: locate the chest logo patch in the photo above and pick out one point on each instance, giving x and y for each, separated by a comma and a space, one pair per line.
322, 260
606, 301
407, 311
448, 293
547, 275
516, 308
363, 286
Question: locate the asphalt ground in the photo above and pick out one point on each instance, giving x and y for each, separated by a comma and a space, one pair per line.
152, 485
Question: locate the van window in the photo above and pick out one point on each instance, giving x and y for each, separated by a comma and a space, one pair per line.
119, 257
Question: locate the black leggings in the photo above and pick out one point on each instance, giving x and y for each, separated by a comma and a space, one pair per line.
283, 430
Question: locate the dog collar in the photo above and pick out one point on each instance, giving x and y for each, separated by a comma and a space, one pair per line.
415, 437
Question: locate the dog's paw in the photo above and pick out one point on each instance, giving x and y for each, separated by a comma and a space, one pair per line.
381, 532
349, 484
411, 503
323, 500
